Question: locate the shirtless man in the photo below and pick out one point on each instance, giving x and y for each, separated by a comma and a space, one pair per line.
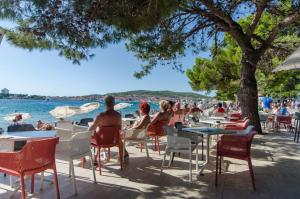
110, 117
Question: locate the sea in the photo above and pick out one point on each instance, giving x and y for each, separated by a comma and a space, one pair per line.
39, 109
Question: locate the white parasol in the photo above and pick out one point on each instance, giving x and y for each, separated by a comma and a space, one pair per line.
11, 117
65, 111
88, 107
291, 63
121, 106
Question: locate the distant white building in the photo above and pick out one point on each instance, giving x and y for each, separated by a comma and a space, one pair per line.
5, 91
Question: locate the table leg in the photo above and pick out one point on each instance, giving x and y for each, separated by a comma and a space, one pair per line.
207, 156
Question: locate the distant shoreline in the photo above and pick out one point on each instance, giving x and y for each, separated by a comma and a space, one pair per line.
122, 96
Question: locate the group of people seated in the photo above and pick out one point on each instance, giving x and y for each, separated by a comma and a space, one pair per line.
269, 106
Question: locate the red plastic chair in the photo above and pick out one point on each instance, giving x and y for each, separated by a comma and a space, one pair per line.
238, 147
235, 116
107, 137
285, 120
35, 157
238, 126
156, 130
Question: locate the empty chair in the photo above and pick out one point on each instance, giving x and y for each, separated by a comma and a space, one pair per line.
135, 135
237, 147
285, 120
107, 137
238, 126
179, 145
78, 146
35, 157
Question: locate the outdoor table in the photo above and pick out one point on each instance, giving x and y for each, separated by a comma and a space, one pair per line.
216, 123
7, 139
207, 132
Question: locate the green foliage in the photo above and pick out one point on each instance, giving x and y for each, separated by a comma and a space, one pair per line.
222, 72
158, 94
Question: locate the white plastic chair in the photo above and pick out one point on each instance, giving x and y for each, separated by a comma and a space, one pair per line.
137, 136
179, 145
78, 146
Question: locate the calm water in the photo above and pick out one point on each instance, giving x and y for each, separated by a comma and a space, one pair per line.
39, 109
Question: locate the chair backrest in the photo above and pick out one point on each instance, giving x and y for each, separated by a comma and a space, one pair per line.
136, 134
237, 115
284, 119
20, 127
157, 128
297, 115
169, 130
81, 142
64, 125
37, 154
108, 136
85, 121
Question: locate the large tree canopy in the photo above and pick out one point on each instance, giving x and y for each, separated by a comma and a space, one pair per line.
221, 71
157, 31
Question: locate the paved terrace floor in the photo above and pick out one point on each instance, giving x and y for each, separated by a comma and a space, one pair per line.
276, 161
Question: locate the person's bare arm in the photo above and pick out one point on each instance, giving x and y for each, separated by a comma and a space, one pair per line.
156, 118
95, 124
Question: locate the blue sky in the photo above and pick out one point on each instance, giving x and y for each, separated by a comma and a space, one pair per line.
111, 70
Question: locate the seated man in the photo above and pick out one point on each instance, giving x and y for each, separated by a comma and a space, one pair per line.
110, 117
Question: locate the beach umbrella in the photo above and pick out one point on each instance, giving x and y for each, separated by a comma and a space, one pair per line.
88, 107
121, 106
65, 111
291, 63
17, 117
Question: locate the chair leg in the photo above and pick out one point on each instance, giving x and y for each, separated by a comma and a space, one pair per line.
197, 158
99, 161
190, 167
217, 169
23, 194
163, 162
220, 165
56, 182
251, 173
146, 146
93, 168
70, 169
172, 154
108, 154
155, 143
121, 156
158, 145
73, 178
32, 184
123, 153
141, 145
42, 181
202, 148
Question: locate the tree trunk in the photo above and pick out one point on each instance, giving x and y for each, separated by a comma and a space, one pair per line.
248, 95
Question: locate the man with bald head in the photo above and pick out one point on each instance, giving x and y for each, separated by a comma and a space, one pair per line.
110, 117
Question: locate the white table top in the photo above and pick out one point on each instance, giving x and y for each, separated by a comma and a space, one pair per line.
27, 135
208, 131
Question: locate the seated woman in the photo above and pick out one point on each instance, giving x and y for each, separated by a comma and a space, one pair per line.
163, 117
177, 116
144, 110
219, 111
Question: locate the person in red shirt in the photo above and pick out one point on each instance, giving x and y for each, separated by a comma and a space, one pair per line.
219, 111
